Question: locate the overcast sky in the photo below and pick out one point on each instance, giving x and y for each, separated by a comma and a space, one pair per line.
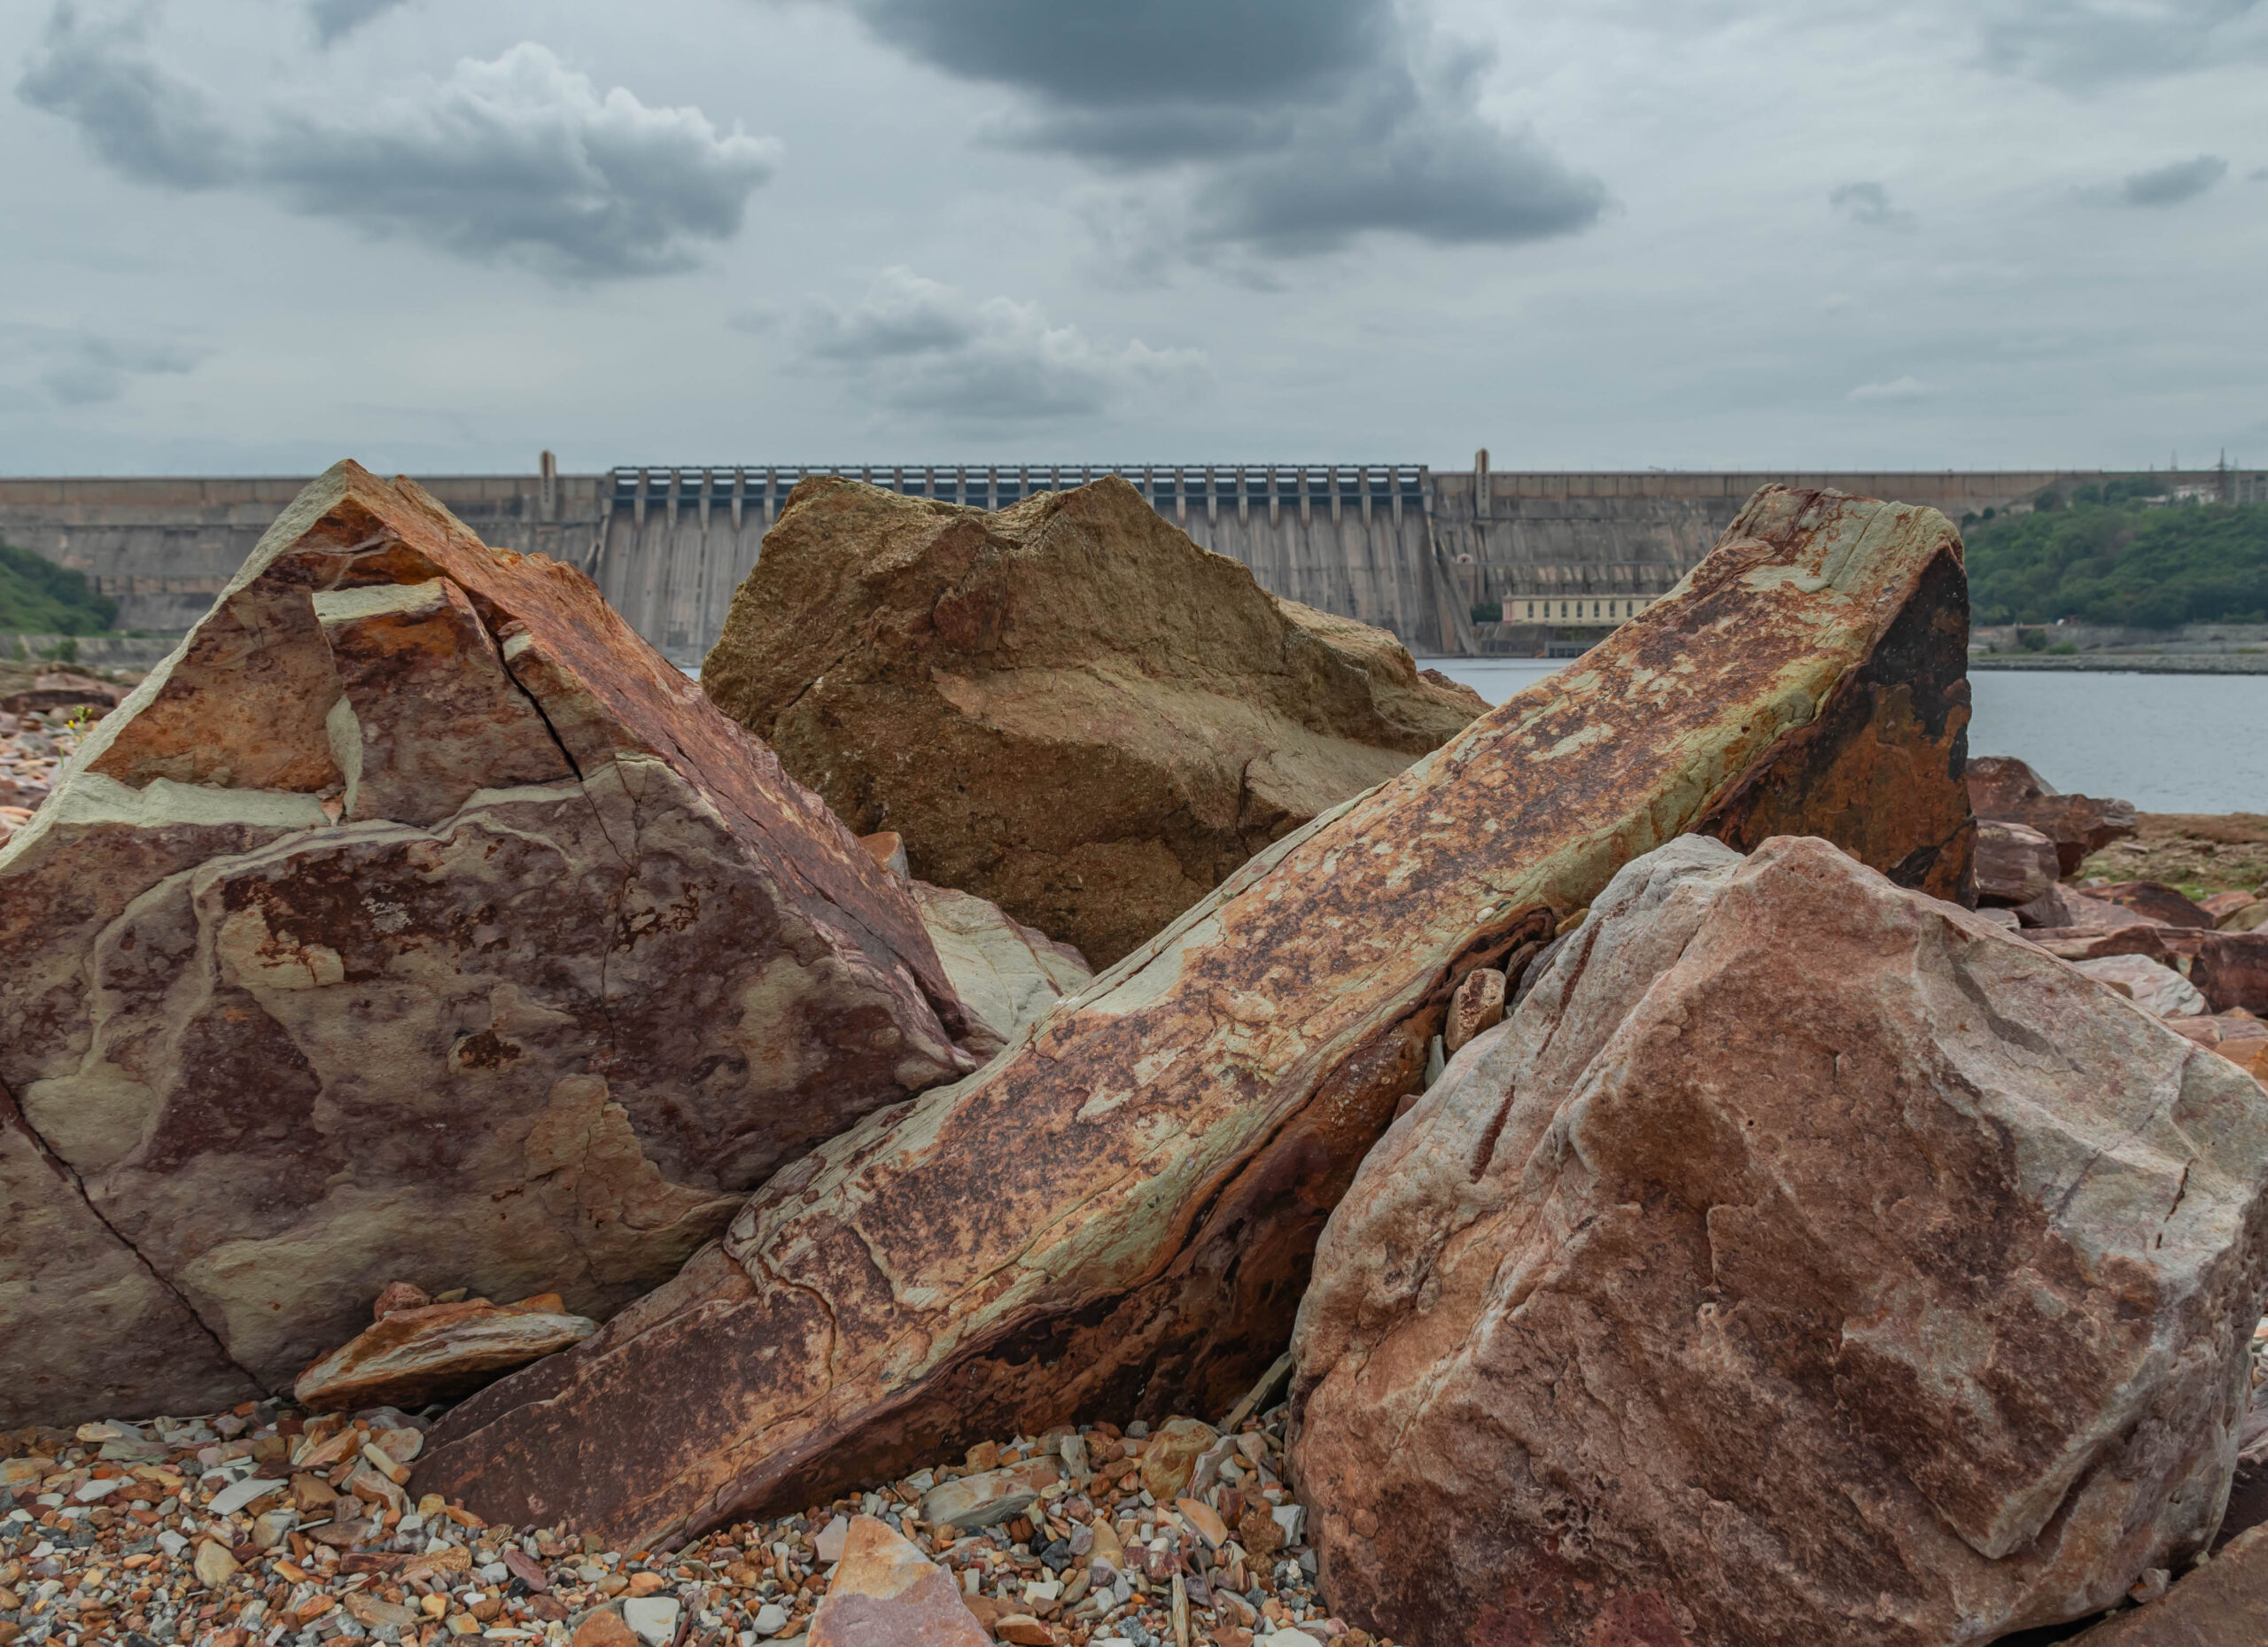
254, 236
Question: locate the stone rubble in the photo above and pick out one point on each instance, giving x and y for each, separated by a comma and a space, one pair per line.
274, 1526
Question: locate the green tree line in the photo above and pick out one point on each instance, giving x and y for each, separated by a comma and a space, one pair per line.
2105, 557
39, 597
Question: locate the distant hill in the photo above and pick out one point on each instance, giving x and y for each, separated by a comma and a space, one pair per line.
2113, 560
39, 597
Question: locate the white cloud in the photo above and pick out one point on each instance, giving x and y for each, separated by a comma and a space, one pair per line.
1896, 389
521, 158
918, 346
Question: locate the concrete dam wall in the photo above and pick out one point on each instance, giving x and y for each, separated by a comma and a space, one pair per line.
1404, 547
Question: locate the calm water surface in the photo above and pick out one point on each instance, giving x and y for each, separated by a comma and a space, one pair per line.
2168, 743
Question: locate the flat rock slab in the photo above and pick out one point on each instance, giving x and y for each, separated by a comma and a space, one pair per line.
438, 1352
414, 919
1123, 1206
1805, 1261
1066, 707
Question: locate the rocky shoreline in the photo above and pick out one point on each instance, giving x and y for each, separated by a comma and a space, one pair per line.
233, 1528
1690, 1157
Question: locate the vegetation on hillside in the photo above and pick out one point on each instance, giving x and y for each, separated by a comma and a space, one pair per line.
2107, 557
39, 597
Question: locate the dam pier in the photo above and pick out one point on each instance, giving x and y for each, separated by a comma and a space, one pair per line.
1413, 549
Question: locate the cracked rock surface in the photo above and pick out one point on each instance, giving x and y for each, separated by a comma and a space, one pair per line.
1118, 1212
1804, 1261
1066, 707
414, 919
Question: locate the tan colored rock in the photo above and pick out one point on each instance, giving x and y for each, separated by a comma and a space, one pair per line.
2014, 864
1125, 1201
1066, 708
1006, 975
1846, 1269
1478, 1005
2005, 790
414, 918
438, 1352
2224, 1604
887, 1594
1171, 1457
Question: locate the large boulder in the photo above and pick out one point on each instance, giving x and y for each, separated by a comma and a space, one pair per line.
414, 919
2004, 789
1066, 707
1118, 1213
1805, 1261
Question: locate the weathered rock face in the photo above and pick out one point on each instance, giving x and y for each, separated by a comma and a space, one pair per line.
2156, 899
1066, 707
415, 919
2230, 969
2014, 864
2005, 789
1121, 1208
438, 1352
1805, 1261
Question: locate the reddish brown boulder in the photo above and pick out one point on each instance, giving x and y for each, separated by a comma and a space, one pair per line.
2223, 1604
1117, 1215
1066, 708
419, 1353
2062, 905
2014, 864
885, 1593
2005, 791
2156, 899
1841, 1267
414, 918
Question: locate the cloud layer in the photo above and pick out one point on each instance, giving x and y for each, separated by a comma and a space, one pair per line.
1869, 203
1289, 127
917, 345
335, 19
521, 158
2087, 44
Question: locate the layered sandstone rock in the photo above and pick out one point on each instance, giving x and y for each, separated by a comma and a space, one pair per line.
1805, 1261
414, 918
429, 1352
1066, 708
1122, 1206
2003, 788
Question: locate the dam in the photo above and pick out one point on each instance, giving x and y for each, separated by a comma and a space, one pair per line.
1413, 549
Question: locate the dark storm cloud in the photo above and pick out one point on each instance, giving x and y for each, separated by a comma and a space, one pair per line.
918, 346
142, 121
335, 19
1297, 124
2170, 185
2081, 45
520, 159
1869, 203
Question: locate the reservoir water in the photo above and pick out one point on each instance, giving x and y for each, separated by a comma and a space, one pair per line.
2168, 743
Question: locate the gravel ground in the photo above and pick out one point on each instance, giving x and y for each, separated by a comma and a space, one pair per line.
266, 1524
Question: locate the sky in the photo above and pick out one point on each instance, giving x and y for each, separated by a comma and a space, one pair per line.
251, 237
